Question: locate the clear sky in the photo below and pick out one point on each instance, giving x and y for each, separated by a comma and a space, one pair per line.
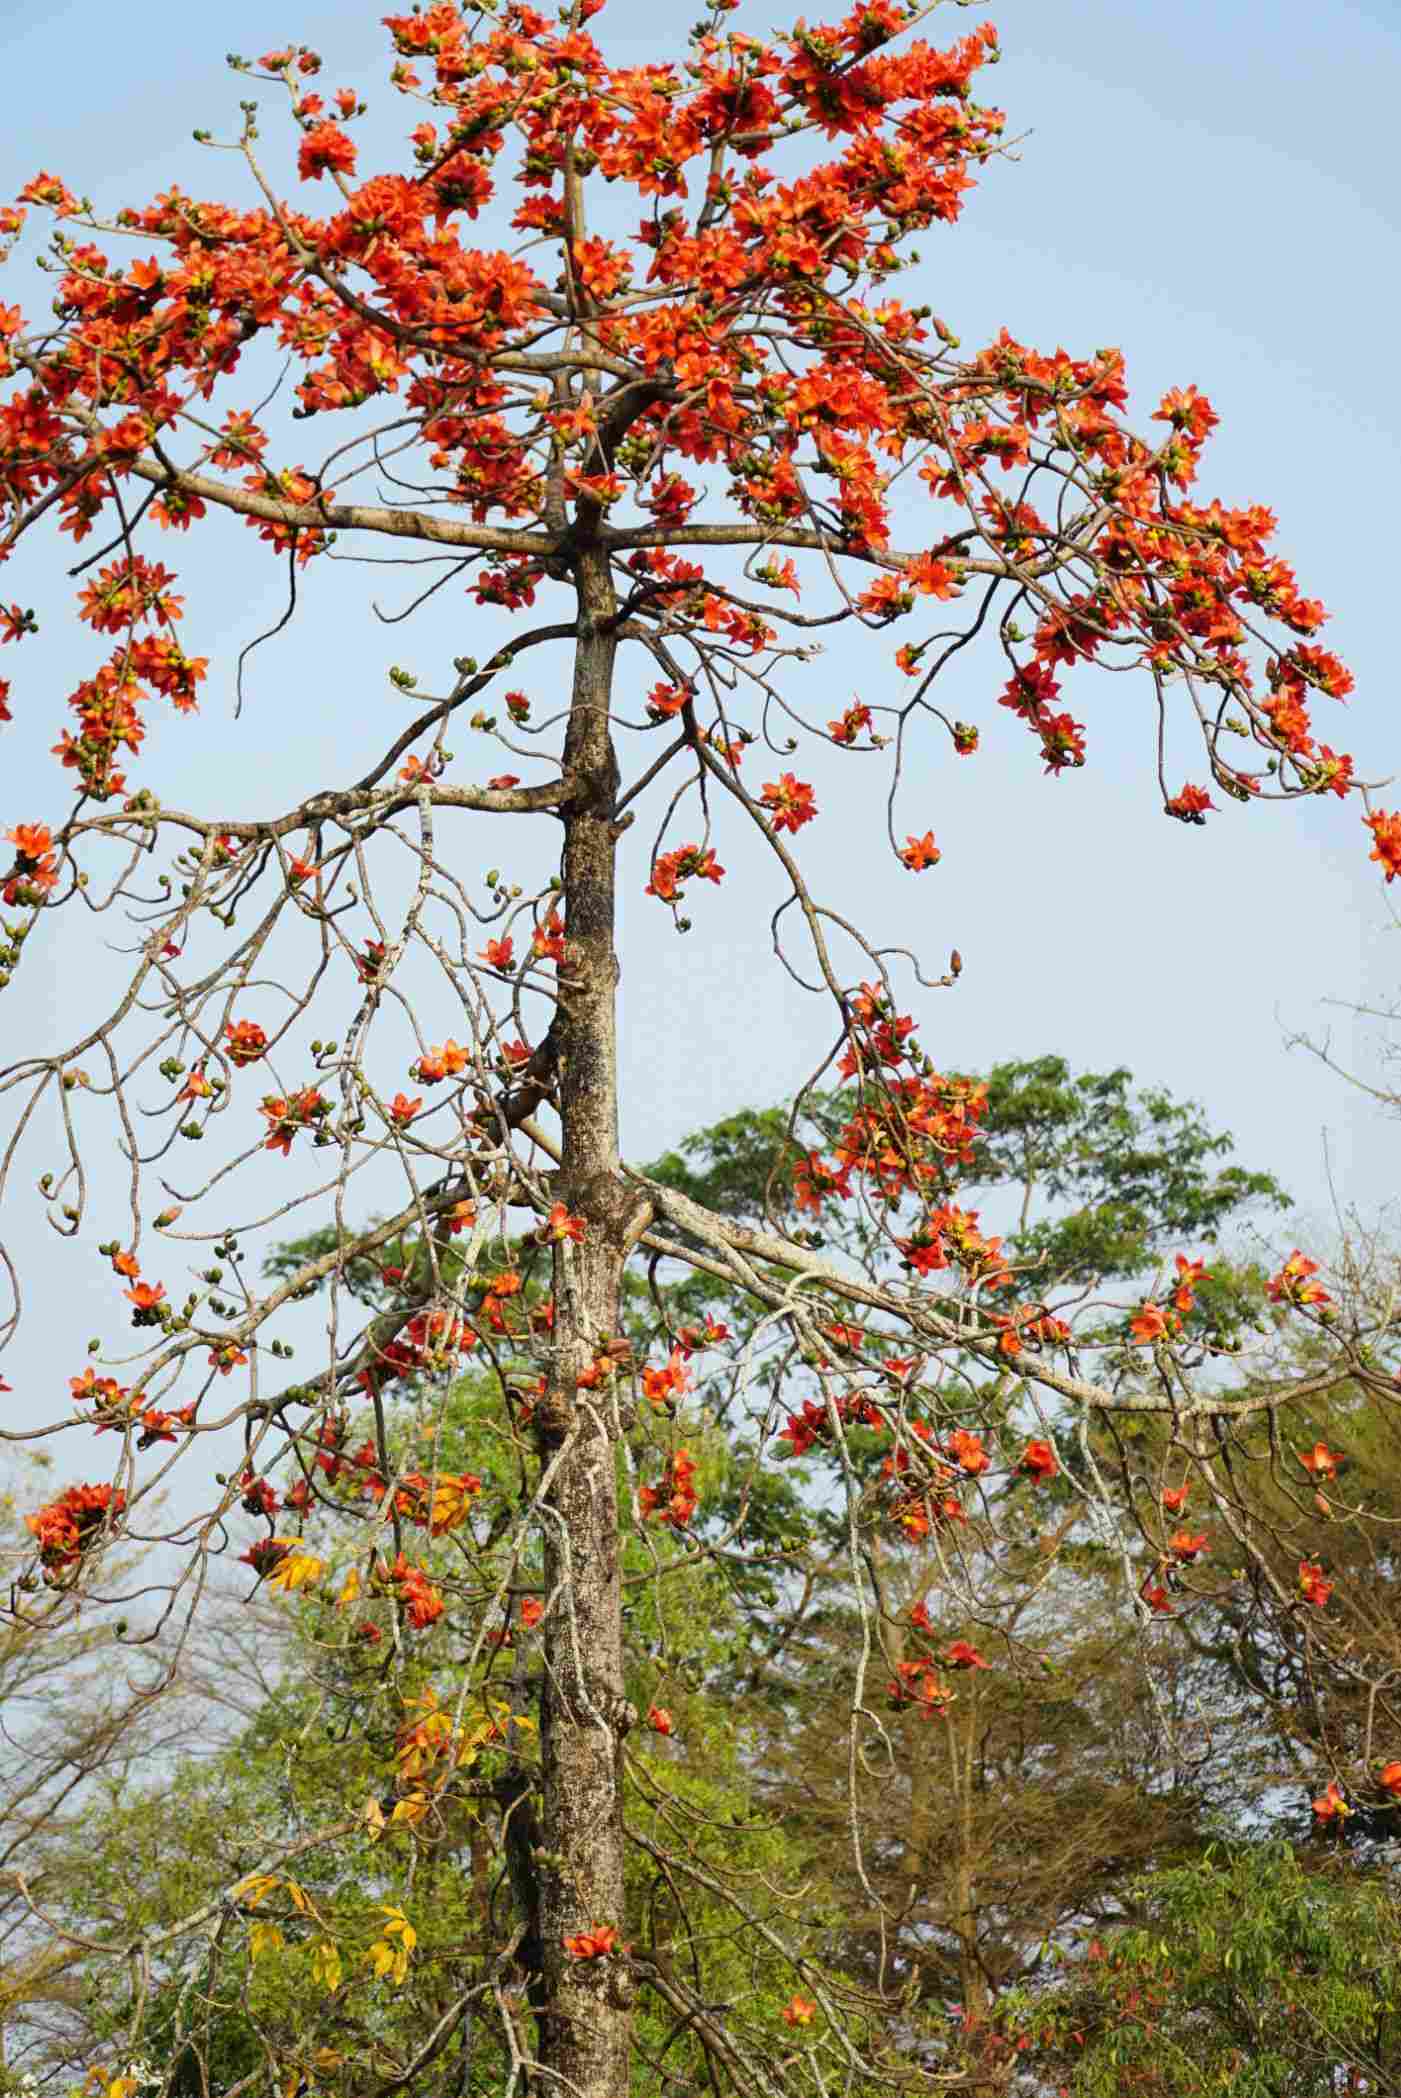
1214, 190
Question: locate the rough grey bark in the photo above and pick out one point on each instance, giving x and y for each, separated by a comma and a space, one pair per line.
584, 2037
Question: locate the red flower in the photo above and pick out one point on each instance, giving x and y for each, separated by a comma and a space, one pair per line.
659, 1719
674, 1500
967, 1452
1385, 827
287, 1115
264, 1554
687, 863
423, 1604
246, 1041
1149, 1322
1039, 1461
325, 146
1331, 1809
789, 802
663, 1385
1189, 1274
1320, 1462
800, 2011
1294, 1284
920, 853
1189, 805
65, 1528
560, 1225
591, 1944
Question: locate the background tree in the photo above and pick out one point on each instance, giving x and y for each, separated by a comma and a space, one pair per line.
1030, 1806
1256, 1975
532, 431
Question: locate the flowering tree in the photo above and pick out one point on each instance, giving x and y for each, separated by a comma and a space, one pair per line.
698, 441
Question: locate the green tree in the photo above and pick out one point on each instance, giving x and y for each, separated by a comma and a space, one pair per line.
1251, 1973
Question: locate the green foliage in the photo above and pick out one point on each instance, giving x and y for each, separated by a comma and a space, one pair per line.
743, 1630
1258, 1971
1123, 1174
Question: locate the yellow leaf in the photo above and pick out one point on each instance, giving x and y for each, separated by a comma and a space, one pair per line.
297, 1570
412, 1811
253, 1890
326, 1966
299, 1899
390, 1959
122, 2087
452, 1501
350, 1588
373, 1816
263, 1937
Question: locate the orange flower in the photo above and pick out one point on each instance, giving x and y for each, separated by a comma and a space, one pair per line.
1189, 1274
423, 1604
1385, 827
325, 146
967, 1452
32, 841
246, 1041
68, 1526
664, 1385
591, 1944
1389, 1778
1039, 1461
1331, 1808
1294, 1284
532, 1610
920, 853
1175, 1497
402, 1110
548, 940
560, 1225
1185, 1547
437, 1064
674, 1501
1314, 1588
660, 1720
962, 1655
1320, 1462
789, 802
800, 2011
286, 1116
1149, 1322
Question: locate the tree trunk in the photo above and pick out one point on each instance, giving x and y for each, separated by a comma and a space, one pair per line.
585, 2029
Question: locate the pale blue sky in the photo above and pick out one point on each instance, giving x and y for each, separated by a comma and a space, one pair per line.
1212, 188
